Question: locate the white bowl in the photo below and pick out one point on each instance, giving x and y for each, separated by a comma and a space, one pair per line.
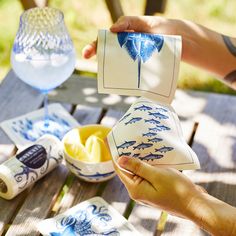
89, 171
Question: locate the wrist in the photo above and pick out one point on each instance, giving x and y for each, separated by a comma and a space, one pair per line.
213, 215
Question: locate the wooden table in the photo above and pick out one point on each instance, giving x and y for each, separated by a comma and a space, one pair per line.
209, 125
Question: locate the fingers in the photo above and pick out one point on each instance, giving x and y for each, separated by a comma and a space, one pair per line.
138, 167
132, 23
89, 50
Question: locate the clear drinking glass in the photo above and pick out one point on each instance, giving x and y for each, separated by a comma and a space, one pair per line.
43, 55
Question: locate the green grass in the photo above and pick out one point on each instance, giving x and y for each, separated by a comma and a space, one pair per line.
84, 17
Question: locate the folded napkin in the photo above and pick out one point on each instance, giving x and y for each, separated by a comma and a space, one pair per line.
151, 132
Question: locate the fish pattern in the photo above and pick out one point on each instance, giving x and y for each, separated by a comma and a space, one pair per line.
143, 108
158, 115
133, 120
126, 144
152, 121
143, 146
150, 147
164, 149
149, 134
151, 156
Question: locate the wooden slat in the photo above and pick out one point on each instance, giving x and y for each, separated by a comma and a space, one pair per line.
115, 192
42, 197
214, 144
13, 91
83, 90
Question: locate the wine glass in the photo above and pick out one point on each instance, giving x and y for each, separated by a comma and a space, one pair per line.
43, 55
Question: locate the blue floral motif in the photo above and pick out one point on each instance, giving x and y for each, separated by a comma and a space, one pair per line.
80, 224
30, 130
140, 46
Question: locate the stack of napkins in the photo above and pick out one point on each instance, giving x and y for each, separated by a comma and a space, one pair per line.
145, 65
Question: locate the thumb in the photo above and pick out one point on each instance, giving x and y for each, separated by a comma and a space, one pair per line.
138, 167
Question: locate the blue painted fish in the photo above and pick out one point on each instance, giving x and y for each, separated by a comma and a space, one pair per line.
133, 120
158, 115
164, 149
151, 156
152, 121
143, 108
124, 117
136, 155
162, 127
161, 109
159, 128
155, 140
125, 154
149, 134
126, 144
143, 146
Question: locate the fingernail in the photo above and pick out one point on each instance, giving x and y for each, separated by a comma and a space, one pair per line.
123, 161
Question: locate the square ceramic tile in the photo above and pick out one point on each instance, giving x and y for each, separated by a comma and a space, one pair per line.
26, 129
91, 217
138, 64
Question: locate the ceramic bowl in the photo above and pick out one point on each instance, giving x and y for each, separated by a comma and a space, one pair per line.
88, 171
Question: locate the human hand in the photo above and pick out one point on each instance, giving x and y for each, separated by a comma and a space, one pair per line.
163, 188
147, 24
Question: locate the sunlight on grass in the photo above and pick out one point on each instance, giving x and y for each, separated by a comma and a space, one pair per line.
84, 17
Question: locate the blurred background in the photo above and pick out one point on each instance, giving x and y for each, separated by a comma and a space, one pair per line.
84, 17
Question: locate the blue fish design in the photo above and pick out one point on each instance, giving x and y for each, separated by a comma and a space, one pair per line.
124, 117
140, 46
161, 109
158, 115
152, 121
125, 154
143, 146
162, 127
149, 134
143, 108
126, 144
155, 140
164, 149
133, 120
151, 156
136, 155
